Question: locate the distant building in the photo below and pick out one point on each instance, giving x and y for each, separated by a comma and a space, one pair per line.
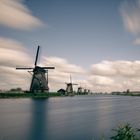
62, 91
16, 90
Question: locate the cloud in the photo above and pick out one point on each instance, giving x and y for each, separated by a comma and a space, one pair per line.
105, 76
116, 68
130, 11
62, 72
136, 41
10, 78
101, 80
12, 54
128, 68
103, 68
109, 76
14, 14
63, 66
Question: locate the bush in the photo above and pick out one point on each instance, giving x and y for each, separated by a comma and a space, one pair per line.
125, 132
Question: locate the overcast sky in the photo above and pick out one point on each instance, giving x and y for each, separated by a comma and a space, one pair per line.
96, 41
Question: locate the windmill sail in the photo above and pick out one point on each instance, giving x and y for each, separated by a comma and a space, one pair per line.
37, 55
21, 68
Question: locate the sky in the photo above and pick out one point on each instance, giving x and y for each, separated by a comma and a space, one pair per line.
96, 41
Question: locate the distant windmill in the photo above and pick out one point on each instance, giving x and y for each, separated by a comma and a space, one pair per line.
79, 91
69, 88
39, 82
85, 91
88, 91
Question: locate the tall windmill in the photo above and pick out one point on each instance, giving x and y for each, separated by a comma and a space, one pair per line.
69, 88
39, 82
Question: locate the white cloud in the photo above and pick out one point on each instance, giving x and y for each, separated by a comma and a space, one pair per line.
12, 54
103, 68
130, 11
128, 68
62, 72
115, 76
115, 68
101, 80
105, 76
11, 78
63, 66
14, 14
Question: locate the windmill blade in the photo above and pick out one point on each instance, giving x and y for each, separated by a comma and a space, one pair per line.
37, 55
48, 67
24, 68
70, 79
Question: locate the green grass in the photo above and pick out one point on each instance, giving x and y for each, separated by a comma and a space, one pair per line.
29, 95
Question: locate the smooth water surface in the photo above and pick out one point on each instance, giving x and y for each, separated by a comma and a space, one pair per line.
66, 118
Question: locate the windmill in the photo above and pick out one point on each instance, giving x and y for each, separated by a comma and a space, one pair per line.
39, 82
79, 91
85, 91
69, 88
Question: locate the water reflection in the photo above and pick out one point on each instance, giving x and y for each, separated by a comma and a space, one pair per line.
37, 127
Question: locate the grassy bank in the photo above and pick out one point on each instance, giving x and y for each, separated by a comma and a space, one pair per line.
29, 95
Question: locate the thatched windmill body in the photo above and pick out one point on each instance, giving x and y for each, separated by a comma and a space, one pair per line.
69, 88
39, 81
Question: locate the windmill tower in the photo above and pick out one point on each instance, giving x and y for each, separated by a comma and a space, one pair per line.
85, 91
69, 88
79, 91
39, 82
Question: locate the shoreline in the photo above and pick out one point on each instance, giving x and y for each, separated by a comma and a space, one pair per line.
28, 95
